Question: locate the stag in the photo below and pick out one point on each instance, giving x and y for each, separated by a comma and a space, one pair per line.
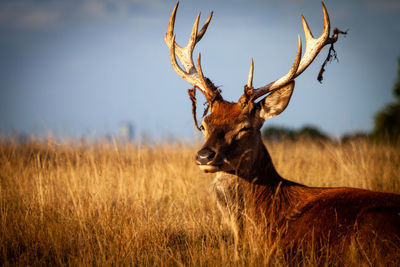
247, 183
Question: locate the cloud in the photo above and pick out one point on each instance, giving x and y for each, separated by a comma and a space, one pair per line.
27, 15
384, 6
36, 15
93, 8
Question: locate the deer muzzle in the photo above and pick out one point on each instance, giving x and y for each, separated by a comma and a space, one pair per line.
205, 158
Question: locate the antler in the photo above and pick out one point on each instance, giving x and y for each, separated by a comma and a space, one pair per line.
185, 56
313, 47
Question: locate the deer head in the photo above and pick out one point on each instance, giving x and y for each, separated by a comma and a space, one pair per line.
232, 130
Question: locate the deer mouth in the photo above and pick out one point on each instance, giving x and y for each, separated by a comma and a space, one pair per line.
210, 168
215, 166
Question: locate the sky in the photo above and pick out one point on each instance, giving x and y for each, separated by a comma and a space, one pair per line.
85, 67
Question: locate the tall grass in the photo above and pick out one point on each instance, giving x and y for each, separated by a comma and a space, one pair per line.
103, 204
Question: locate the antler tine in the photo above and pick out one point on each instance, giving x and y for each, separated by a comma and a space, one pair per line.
207, 94
204, 28
193, 38
313, 47
185, 55
250, 78
171, 25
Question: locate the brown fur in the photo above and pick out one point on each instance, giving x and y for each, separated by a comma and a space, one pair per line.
249, 186
224, 113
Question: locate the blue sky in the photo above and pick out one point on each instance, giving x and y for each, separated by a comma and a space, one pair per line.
83, 67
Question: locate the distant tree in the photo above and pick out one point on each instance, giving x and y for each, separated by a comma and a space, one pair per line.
356, 136
279, 133
396, 88
312, 132
387, 121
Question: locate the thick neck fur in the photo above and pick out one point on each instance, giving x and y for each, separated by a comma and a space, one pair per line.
265, 191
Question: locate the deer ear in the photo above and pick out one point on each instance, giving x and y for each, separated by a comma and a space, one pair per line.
276, 102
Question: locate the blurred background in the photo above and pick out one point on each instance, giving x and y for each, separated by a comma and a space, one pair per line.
98, 69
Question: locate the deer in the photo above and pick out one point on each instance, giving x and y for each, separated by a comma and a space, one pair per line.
248, 185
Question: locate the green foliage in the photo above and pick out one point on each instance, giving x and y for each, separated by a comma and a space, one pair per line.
396, 88
279, 133
312, 133
387, 121
355, 136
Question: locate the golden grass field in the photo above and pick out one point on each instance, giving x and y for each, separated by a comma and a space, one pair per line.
109, 204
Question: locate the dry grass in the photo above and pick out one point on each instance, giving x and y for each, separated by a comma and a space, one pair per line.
108, 204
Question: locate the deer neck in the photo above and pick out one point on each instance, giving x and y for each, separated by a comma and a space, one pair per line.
265, 187
259, 169
260, 188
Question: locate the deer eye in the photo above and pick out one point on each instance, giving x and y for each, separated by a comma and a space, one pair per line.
202, 128
244, 129
241, 132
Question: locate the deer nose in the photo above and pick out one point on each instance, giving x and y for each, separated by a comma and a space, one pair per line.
204, 156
